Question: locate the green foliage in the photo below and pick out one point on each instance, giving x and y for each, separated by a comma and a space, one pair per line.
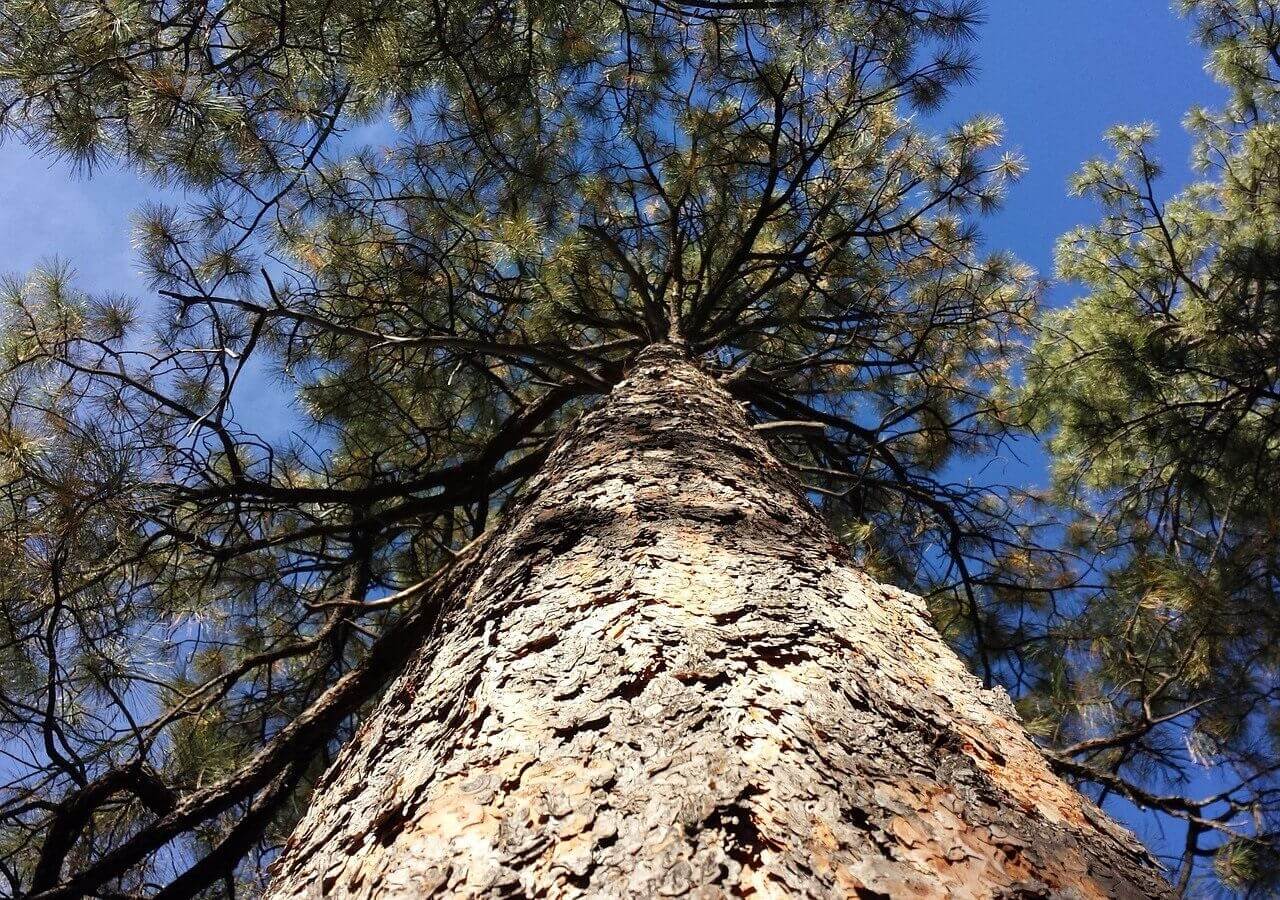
1161, 392
1242, 36
1245, 865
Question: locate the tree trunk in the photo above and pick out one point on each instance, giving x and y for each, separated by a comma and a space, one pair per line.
664, 677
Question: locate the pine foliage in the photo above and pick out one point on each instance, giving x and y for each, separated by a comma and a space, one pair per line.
1161, 388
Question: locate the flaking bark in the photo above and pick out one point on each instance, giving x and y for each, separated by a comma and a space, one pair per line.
664, 677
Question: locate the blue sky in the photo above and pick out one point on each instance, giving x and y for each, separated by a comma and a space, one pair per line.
1059, 72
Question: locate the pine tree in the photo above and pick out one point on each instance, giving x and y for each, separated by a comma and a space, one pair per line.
1161, 385
664, 678
633, 288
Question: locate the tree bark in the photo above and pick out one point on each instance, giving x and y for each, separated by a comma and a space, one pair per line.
664, 677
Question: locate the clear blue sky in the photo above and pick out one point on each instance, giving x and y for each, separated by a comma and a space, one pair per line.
1059, 72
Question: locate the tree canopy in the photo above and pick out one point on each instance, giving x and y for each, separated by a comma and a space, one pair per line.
443, 230
1161, 384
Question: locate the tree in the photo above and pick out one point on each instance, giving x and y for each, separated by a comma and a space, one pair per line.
1161, 385
585, 204
663, 677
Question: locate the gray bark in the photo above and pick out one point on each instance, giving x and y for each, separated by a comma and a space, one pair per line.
664, 677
